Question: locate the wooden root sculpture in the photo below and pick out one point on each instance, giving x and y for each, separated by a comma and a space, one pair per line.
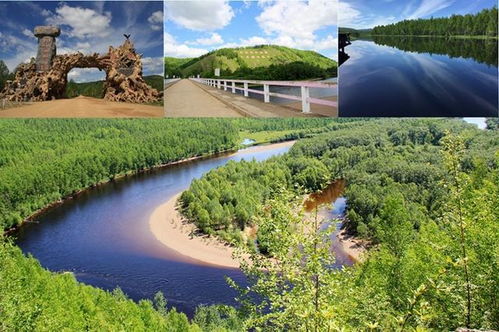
124, 81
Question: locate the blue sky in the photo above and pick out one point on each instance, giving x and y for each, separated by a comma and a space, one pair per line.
369, 13
88, 27
193, 28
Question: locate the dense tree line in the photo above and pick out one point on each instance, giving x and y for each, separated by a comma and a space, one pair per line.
483, 23
34, 299
481, 50
96, 89
423, 192
5, 74
297, 70
42, 161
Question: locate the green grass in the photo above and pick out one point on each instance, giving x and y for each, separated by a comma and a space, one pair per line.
248, 58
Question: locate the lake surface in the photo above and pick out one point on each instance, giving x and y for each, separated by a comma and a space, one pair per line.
103, 237
417, 76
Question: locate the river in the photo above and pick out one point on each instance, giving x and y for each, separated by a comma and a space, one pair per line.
103, 237
419, 76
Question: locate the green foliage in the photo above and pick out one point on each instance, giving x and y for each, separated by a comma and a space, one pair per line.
271, 63
96, 89
33, 299
42, 161
482, 23
294, 290
218, 318
5, 75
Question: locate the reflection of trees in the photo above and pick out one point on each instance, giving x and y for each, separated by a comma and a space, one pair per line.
481, 50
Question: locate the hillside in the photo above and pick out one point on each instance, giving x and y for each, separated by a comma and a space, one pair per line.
172, 66
257, 62
95, 89
356, 33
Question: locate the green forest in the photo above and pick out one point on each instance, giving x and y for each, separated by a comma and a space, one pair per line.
483, 23
422, 192
96, 89
263, 62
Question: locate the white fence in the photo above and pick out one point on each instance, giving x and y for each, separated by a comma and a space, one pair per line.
243, 85
169, 82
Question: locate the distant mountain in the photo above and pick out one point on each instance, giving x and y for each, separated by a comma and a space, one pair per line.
257, 62
95, 89
356, 33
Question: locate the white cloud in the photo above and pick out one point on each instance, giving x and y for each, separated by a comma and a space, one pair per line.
428, 7
351, 17
214, 39
156, 20
83, 22
199, 15
297, 19
153, 66
81, 75
173, 49
28, 33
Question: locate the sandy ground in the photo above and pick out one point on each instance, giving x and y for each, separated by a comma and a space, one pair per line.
185, 99
171, 229
355, 248
82, 107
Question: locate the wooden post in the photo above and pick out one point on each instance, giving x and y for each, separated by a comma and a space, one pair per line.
266, 93
233, 87
305, 104
246, 89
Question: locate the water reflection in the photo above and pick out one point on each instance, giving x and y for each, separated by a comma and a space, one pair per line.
480, 50
327, 196
408, 78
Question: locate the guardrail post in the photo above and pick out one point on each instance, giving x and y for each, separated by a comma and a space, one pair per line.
225, 85
266, 93
233, 87
219, 84
305, 104
246, 89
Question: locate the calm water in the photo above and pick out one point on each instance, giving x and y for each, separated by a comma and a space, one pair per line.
419, 77
103, 237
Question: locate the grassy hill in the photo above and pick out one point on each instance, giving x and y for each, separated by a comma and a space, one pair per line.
172, 65
95, 89
256, 62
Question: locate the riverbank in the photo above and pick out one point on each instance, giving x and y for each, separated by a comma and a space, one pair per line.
174, 231
353, 247
76, 193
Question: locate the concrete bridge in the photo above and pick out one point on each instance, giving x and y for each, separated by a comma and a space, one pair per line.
199, 97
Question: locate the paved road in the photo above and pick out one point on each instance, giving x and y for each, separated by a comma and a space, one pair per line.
82, 107
186, 99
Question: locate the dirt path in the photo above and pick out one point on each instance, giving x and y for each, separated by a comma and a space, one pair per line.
82, 107
185, 99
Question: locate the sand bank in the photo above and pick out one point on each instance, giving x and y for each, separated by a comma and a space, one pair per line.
171, 229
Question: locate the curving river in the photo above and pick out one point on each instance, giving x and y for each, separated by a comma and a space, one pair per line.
103, 237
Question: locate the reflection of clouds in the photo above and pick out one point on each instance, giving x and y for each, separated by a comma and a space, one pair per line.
446, 82
379, 77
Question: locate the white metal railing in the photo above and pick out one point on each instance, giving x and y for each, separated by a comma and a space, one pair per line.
170, 81
304, 97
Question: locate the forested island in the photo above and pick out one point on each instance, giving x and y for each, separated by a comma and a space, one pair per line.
262, 62
482, 24
422, 192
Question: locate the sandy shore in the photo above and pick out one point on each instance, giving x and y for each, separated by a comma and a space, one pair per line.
353, 247
171, 229
82, 107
